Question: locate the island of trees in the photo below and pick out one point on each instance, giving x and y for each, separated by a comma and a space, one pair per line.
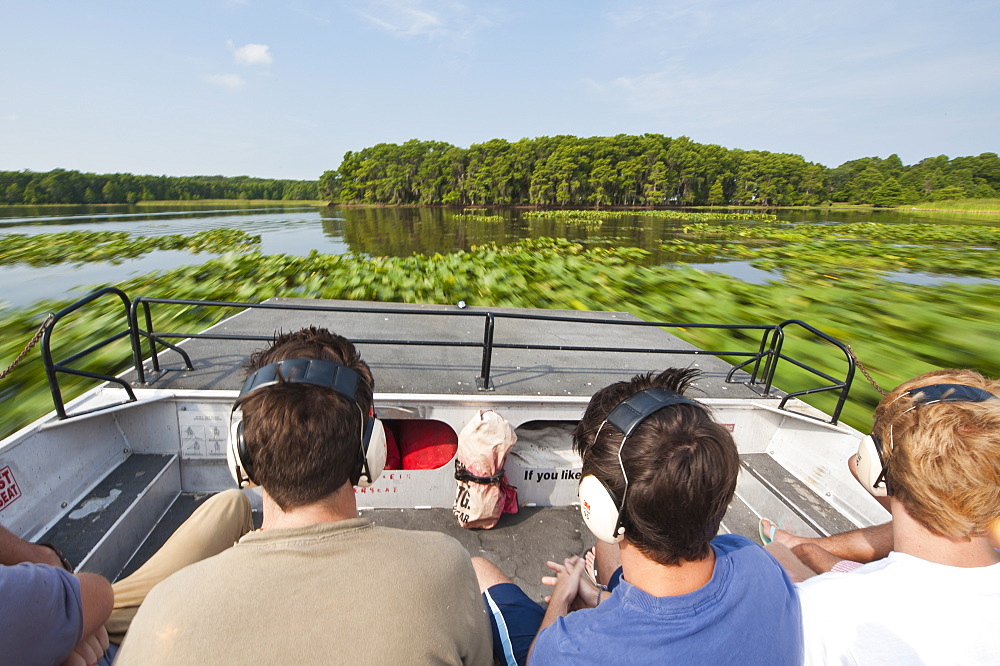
559, 171
73, 187
647, 170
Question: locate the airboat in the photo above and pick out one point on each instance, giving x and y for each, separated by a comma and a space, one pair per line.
109, 475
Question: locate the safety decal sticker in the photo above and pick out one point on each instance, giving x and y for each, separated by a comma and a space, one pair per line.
9, 490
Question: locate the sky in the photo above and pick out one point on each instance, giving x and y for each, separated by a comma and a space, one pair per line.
282, 89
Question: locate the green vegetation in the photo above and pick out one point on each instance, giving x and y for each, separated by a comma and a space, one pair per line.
847, 250
208, 202
897, 330
594, 219
896, 233
651, 214
973, 205
647, 170
70, 247
60, 186
475, 217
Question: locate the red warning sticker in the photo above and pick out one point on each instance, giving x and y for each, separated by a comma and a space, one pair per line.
9, 490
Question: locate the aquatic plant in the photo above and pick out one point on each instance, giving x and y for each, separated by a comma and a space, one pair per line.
810, 251
478, 217
897, 233
69, 247
658, 214
898, 330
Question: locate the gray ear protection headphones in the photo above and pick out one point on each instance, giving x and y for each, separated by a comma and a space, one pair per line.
326, 374
872, 452
602, 510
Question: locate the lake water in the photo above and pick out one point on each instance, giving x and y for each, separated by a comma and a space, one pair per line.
299, 230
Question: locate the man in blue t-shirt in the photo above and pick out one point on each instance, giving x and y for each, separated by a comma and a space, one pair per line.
658, 475
49, 615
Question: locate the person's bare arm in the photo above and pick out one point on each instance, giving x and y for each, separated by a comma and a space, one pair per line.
816, 558
563, 595
864, 545
793, 566
98, 599
14, 550
587, 594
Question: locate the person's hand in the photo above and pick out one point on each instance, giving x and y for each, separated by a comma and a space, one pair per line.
565, 595
571, 588
89, 650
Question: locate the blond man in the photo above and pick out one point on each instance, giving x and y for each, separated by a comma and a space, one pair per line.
934, 598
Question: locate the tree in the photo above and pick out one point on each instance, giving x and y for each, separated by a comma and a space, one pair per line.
12, 194
715, 195
626, 170
888, 194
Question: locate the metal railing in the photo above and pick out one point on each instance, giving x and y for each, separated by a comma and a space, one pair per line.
53, 368
759, 365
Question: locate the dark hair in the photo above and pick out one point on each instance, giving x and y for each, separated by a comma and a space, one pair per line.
305, 440
681, 467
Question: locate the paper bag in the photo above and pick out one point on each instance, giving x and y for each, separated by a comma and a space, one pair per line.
482, 492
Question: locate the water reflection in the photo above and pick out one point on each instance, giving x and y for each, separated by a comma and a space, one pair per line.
401, 232
12, 216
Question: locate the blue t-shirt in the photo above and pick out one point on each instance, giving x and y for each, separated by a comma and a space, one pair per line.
748, 613
41, 615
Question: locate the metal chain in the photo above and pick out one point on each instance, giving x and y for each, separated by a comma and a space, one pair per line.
34, 341
864, 371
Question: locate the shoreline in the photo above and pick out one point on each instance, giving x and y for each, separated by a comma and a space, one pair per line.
327, 204
834, 208
159, 203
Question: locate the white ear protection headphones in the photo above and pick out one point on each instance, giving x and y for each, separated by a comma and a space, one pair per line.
326, 374
602, 510
872, 452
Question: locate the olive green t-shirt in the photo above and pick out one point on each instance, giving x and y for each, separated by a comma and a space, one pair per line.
331, 593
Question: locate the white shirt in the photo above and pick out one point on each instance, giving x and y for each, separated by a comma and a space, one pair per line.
902, 610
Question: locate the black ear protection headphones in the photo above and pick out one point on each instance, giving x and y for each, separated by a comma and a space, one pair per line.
602, 511
872, 452
326, 374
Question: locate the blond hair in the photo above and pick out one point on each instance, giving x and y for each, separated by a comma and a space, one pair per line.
943, 459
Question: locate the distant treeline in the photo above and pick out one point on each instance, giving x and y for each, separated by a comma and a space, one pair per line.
647, 170
74, 187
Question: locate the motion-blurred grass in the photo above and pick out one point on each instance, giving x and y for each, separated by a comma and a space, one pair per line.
898, 330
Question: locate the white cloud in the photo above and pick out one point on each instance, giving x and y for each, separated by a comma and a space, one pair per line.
448, 21
230, 81
252, 54
410, 17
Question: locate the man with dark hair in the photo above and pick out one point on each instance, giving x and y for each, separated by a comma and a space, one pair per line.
316, 584
658, 475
